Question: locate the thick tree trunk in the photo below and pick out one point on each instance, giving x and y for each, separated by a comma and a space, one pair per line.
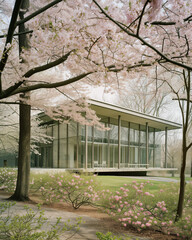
24, 161
22, 186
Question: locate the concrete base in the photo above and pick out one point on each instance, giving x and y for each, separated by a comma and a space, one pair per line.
108, 171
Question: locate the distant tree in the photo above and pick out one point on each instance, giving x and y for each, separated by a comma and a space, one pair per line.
143, 95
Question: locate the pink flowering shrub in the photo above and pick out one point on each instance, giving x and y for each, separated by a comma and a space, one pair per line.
133, 205
74, 189
8, 178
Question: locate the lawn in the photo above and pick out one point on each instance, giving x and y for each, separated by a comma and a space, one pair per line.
115, 182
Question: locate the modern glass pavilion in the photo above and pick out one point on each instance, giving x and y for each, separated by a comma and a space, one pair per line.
132, 143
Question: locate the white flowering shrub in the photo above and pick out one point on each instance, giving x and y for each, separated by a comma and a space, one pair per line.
8, 177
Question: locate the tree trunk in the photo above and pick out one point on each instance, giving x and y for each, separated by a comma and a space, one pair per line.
185, 148
22, 187
182, 182
24, 161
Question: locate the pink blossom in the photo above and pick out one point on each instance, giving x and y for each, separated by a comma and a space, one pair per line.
60, 184
147, 193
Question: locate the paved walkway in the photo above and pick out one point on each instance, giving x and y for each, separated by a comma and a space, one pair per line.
87, 230
159, 179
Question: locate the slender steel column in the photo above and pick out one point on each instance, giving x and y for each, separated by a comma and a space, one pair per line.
129, 124
52, 145
147, 145
77, 139
108, 145
86, 145
93, 137
119, 140
154, 148
139, 147
67, 145
166, 147
58, 146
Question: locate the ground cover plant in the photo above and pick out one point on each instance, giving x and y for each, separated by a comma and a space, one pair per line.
29, 226
133, 203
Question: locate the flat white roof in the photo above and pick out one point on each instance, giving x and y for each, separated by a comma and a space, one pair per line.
113, 111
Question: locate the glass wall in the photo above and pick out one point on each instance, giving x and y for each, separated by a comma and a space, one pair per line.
78, 146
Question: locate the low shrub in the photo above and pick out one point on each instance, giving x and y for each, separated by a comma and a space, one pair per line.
133, 206
74, 189
8, 177
29, 226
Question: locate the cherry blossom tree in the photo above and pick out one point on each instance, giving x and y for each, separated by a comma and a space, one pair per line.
59, 44
9, 135
159, 35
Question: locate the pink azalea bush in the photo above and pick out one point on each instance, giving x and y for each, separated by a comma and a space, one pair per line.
74, 189
132, 205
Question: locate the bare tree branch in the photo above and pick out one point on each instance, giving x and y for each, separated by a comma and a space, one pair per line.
181, 99
17, 34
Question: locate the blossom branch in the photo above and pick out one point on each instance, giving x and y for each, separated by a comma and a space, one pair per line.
51, 85
48, 65
10, 33
143, 41
9, 92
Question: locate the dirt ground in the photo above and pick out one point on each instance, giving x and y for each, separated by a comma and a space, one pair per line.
109, 225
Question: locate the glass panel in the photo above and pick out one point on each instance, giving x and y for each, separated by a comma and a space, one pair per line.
49, 130
89, 139
55, 131
113, 155
124, 144
157, 149
63, 145
55, 153
134, 143
72, 145
81, 158
143, 146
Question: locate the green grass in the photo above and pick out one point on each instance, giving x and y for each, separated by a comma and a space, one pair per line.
113, 183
